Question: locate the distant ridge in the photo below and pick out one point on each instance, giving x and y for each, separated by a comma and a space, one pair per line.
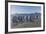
27, 14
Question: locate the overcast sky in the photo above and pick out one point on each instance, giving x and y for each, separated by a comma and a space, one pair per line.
24, 9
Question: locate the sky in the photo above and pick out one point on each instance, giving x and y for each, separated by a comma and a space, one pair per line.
16, 9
